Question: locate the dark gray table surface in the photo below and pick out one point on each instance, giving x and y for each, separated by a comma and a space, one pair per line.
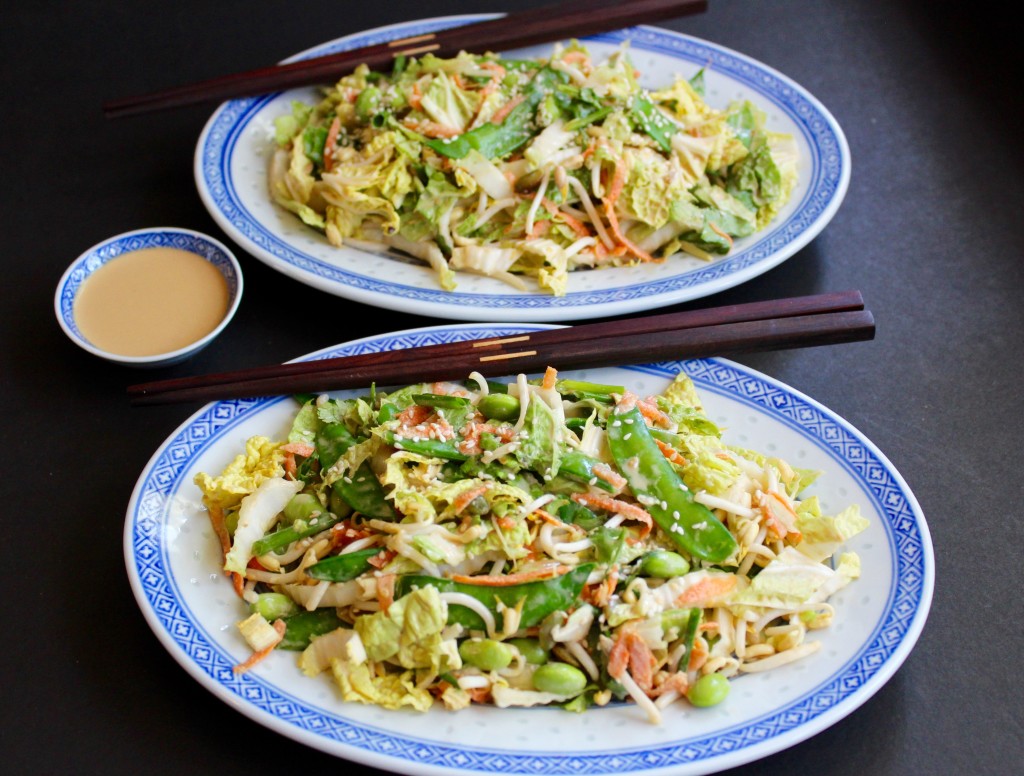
930, 231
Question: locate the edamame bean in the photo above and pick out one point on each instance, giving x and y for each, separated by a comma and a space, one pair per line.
367, 102
273, 606
486, 654
531, 650
302, 506
664, 564
559, 679
499, 406
709, 690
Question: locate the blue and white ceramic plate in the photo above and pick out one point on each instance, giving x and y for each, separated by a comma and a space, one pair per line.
233, 152
173, 560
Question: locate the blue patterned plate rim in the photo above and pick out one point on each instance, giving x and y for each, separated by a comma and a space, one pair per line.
230, 127
884, 647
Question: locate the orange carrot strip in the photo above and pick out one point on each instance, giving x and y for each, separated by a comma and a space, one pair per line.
618, 181
641, 660
504, 110
720, 232
616, 506
573, 223
299, 448
605, 472
705, 592
237, 582
613, 221
381, 559
386, 590
651, 412
547, 517
414, 414
464, 499
330, 142
671, 453
550, 376
256, 657
504, 580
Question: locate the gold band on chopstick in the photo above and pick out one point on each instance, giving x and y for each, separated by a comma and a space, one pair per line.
506, 356
489, 343
414, 39
414, 51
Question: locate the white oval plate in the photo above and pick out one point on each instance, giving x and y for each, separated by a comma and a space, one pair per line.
173, 560
234, 149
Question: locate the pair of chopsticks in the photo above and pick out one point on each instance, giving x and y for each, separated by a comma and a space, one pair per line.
795, 322
575, 18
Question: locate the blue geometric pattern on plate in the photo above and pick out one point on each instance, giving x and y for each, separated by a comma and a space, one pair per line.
830, 433
825, 175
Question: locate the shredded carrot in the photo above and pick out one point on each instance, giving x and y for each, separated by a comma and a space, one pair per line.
698, 655
618, 507
547, 517
386, 590
504, 580
631, 652
605, 472
470, 443
330, 143
720, 232
677, 681
299, 448
641, 660
381, 559
416, 98
414, 414
618, 181
539, 228
256, 657
237, 582
502, 112
576, 56
550, 376
707, 591
480, 694
573, 223
464, 499
600, 594
433, 129
613, 221
618, 659
220, 528
651, 412
671, 453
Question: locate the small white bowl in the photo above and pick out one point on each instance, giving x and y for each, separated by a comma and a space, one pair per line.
91, 260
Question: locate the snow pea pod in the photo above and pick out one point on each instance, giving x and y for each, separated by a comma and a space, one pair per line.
653, 122
302, 627
362, 491
434, 448
342, 568
539, 598
440, 401
300, 529
692, 526
577, 466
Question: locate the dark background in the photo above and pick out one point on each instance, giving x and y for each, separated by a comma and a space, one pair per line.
930, 231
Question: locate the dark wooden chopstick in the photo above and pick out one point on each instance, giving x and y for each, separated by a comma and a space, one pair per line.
576, 19
787, 323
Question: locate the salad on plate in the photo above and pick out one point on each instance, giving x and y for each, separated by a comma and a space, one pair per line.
544, 541
526, 170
